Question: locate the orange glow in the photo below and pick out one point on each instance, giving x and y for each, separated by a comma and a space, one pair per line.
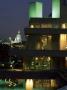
29, 84
63, 41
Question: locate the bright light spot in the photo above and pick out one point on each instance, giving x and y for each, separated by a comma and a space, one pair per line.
63, 26
3, 65
31, 26
11, 66
14, 84
66, 58
48, 59
66, 47
53, 83
32, 63
36, 58
63, 37
9, 85
29, 84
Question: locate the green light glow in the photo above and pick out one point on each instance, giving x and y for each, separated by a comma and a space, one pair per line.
35, 10
32, 10
39, 9
55, 8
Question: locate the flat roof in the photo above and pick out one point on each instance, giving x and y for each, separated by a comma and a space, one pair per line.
42, 20
46, 20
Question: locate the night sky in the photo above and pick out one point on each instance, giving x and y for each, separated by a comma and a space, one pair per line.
14, 15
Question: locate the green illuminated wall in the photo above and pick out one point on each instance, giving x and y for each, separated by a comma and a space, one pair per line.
35, 10
39, 9
55, 8
32, 10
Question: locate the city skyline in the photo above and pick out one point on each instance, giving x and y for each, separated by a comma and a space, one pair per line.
14, 15
40, 61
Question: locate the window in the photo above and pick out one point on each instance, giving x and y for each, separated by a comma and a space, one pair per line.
46, 25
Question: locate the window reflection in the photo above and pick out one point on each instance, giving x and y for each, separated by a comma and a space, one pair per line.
44, 43
41, 63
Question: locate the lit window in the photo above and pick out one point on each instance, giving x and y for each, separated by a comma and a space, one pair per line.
53, 83
37, 26
46, 25
29, 84
63, 26
31, 26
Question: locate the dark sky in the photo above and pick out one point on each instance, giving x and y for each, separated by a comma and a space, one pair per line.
14, 15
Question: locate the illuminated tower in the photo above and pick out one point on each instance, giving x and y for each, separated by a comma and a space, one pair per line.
55, 8
18, 38
35, 10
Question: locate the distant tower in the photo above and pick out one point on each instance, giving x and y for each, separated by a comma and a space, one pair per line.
36, 10
55, 8
10, 40
18, 38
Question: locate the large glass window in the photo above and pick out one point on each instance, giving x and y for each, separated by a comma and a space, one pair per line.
46, 25
44, 43
41, 63
63, 42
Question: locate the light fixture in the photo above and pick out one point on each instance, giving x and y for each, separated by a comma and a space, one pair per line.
63, 26
36, 58
31, 26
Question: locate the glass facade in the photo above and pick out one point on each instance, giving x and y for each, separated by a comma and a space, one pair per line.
49, 42
44, 42
42, 63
